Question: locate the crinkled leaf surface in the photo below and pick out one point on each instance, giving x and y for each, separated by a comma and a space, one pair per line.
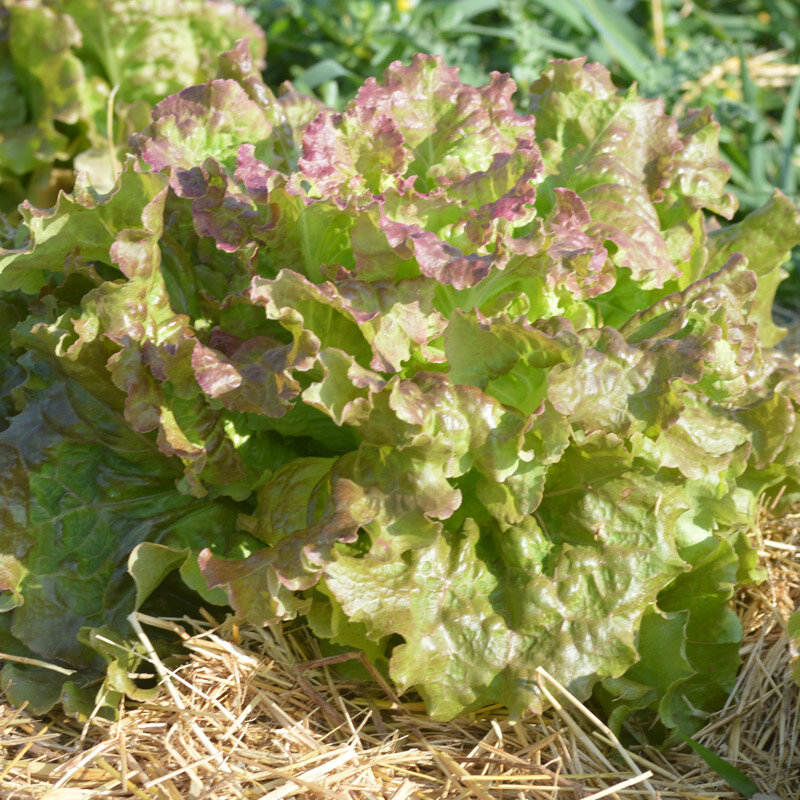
85, 221
80, 496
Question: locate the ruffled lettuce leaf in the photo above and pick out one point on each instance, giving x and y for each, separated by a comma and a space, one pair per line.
83, 222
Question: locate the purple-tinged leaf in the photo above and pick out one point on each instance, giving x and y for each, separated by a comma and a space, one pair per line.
207, 121
256, 377
581, 261
352, 152
452, 129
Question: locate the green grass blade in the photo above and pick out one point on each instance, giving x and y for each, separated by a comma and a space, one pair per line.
453, 14
788, 134
558, 47
757, 150
793, 631
323, 71
483, 30
748, 87
568, 13
726, 771
624, 41
471, 8
739, 175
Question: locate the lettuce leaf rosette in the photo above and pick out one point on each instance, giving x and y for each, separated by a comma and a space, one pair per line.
476, 392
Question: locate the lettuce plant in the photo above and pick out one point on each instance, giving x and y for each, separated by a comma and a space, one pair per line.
472, 391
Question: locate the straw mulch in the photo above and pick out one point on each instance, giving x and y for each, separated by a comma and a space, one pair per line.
767, 70
254, 713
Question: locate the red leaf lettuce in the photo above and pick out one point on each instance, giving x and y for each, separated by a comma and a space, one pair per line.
475, 391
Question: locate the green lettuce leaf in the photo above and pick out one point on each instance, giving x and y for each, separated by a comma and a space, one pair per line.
78, 496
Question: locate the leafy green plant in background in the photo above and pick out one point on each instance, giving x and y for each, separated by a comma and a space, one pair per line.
474, 391
332, 47
76, 78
